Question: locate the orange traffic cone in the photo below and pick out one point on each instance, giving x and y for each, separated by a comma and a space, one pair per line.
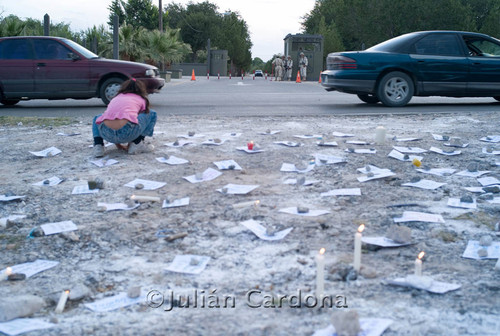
193, 77
298, 77
319, 78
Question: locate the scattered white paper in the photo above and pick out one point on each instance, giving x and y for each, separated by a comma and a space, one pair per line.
343, 192
309, 136
372, 169
212, 142
462, 145
172, 160
440, 151
406, 139
269, 133
116, 206
369, 327
51, 151
414, 216
114, 302
438, 171
495, 200
180, 143
424, 184
194, 136
246, 150
68, 134
487, 181
176, 203
311, 213
307, 182
208, 175
409, 150
288, 143
491, 138
401, 157
439, 137
473, 246
104, 163
188, 263
362, 150
436, 287
23, 325
148, 185
290, 168
31, 268
376, 175
475, 189
323, 159
224, 165
473, 174
382, 241
327, 143
358, 142
237, 189
58, 227
493, 152
342, 135
83, 189
455, 203
261, 232
4, 198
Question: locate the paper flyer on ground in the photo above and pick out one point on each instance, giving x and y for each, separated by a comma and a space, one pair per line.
473, 246
146, 184
227, 165
114, 302
188, 263
51, 151
369, 327
176, 203
261, 232
23, 325
31, 268
172, 160
58, 227
414, 216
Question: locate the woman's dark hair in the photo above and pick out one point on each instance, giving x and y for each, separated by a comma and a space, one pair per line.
135, 86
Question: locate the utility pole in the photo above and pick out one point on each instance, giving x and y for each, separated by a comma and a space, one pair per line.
160, 24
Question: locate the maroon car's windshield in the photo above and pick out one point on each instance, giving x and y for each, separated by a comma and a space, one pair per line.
85, 52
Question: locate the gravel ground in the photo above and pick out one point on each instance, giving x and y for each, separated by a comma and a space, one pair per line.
114, 251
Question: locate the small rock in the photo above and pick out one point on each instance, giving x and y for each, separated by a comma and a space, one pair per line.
71, 236
301, 180
368, 168
96, 183
456, 142
191, 133
37, 232
400, 234
139, 186
16, 276
224, 190
268, 131
492, 189
446, 137
134, 292
302, 210
46, 182
176, 143
19, 306
53, 319
199, 176
466, 199
194, 262
415, 179
485, 240
346, 323
406, 157
231, 167
472, 167
368, 272
350, 150
270, 231
79, 292
482, 253
489, 150
370, 174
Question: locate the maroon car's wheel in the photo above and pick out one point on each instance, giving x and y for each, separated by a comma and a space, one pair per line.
109, 89
9, 102
368, 98
395, 89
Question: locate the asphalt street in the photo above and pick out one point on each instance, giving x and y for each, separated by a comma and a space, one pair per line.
252, 97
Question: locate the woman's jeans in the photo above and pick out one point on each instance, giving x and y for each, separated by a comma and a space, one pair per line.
127, 133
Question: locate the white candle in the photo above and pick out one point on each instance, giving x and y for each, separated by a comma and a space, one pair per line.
141, 198
357, 248
6, 273
320, 274
245, 204
62, 302
418, 264
380, 134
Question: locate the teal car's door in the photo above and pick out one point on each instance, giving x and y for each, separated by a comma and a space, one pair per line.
441, 65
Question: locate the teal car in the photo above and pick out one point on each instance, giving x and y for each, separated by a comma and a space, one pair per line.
427, 63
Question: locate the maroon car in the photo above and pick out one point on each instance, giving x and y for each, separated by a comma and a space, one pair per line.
43, 67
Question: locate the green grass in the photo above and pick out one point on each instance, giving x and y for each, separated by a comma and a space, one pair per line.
36, 121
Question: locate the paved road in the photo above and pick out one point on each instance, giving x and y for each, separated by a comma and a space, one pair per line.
249, 97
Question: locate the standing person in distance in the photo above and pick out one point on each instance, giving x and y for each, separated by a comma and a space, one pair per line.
289, 67
284, 67
303, 66
127, 119
278, 68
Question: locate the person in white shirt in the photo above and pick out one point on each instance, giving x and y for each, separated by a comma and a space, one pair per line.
303, 66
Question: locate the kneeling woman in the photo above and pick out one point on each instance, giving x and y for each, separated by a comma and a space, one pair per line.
127, 119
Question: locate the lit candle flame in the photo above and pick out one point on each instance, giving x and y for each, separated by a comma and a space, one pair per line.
322, 251
421, 255
361, 228
251, 142
67, 291
8, 271
257, 202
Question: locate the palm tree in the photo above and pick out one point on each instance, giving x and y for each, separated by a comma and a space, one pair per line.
132, 41
166, 47
11, 26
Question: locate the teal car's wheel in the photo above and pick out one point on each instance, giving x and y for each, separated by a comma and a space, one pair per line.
9, 102
497, 98
368, 98
395, 89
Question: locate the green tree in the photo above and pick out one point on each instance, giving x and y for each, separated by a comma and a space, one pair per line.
11, 26
137, 13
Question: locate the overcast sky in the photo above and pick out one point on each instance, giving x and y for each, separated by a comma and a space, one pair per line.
269, 21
